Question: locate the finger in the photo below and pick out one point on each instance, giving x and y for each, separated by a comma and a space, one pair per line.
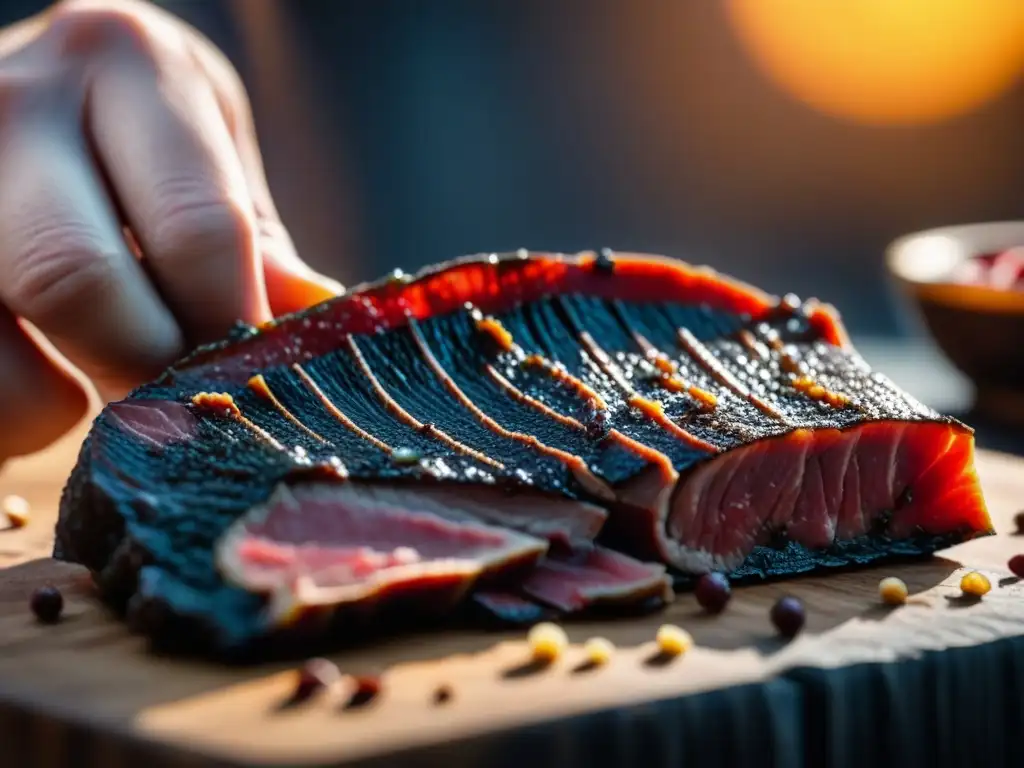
65, 265
39, 400
291, 283
168, 154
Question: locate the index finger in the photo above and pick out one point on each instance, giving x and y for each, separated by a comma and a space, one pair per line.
65, 265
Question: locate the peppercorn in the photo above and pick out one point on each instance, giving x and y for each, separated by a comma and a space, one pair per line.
893, 591
1016, 566
443, 694
713, 592
598, 650
547, 641
975, 584
16, 510
47, 603
788, 616
673, 640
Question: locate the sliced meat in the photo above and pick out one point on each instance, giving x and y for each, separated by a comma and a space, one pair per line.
820, 487
554, 519
317, 545
585, 577
549, 427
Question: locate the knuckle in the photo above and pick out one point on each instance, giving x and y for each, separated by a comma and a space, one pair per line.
55, 278
195, 225
83, 28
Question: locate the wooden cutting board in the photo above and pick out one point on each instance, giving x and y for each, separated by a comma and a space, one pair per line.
927, 683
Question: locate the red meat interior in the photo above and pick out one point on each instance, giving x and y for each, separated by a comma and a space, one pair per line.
575, 580
820, 486
334, 540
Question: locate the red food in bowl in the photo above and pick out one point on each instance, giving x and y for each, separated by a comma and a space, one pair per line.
1003, 271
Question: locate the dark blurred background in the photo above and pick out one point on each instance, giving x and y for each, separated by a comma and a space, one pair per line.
400, 133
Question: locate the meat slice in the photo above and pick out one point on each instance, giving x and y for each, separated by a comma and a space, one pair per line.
319, 545
538, 431
817, 488
587, 577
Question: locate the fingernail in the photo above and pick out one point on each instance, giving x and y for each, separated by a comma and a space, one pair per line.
290, 292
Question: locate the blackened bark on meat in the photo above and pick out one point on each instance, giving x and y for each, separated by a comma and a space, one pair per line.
703, 423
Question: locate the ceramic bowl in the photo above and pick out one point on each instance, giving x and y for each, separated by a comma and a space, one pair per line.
978, 327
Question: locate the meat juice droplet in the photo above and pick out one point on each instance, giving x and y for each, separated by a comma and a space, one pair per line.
1016, 566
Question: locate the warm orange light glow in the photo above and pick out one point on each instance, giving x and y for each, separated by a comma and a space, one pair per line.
886, 61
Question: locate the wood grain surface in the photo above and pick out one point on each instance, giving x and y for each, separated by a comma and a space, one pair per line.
86, 692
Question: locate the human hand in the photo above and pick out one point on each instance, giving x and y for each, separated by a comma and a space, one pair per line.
115, 117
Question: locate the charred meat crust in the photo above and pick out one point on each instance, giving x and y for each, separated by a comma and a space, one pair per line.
595, 380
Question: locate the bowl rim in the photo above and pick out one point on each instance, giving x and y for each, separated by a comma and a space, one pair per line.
956, 243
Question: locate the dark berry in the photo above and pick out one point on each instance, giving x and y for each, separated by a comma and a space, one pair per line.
365, 689
788, 616
1016, 566
314, 676
1018, 521
713, 592
443, 694
47, 604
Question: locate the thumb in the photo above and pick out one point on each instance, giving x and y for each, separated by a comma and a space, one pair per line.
292, 285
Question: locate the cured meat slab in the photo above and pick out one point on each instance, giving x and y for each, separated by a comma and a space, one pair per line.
936, 683
557, 428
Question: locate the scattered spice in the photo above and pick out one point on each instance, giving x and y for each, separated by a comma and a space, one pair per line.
598, 650
547, 641
365, 689
673, 640
17, 510
313, 677
496, 334
1016, 566
893, 591
975, 584
443, 694
47, 603
713, 592
1018, 521
788, 616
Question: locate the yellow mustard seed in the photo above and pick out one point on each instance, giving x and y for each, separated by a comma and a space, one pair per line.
975, 584
16, 510
598, 650
547, 641
673, 640
893, 591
